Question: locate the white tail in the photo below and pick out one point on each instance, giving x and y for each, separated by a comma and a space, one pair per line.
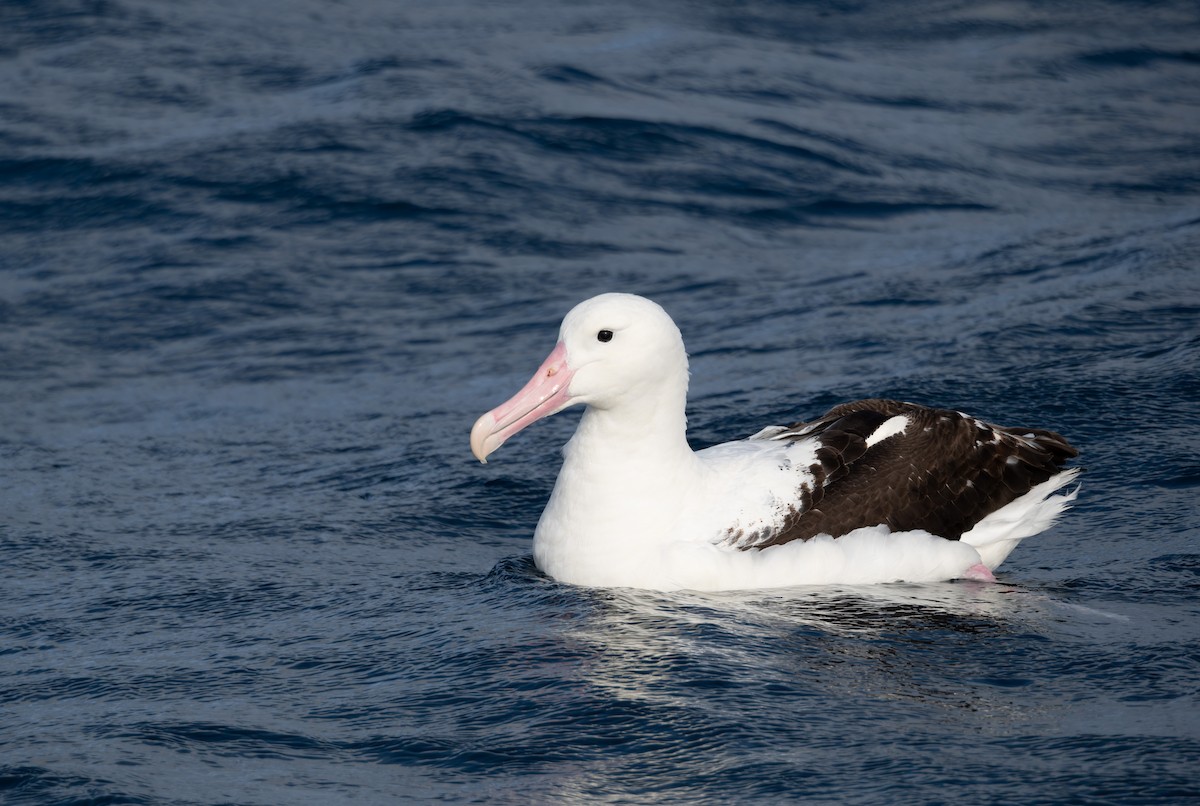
998, 534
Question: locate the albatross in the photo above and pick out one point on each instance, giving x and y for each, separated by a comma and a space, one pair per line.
873, 491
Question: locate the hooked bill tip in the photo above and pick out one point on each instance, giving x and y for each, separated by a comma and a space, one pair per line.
479, 436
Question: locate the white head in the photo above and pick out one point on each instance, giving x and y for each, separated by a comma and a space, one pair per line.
613, 350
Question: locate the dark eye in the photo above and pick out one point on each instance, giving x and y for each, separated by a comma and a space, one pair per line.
604, 335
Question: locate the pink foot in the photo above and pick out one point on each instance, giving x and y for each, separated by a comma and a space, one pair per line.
979, 572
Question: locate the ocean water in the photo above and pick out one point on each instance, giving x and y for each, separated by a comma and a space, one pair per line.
263, 263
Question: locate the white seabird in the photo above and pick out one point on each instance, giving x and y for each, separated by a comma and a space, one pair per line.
873, 491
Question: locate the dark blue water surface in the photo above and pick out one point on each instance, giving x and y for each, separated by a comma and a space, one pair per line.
263, 263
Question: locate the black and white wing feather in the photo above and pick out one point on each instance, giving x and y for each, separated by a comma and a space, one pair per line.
909, 467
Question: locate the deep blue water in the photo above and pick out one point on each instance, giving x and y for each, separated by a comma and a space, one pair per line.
263, 263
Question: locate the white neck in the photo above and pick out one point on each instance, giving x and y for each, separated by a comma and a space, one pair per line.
626, 475
649, 428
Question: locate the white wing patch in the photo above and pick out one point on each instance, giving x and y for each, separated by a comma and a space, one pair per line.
889, 428
760, 482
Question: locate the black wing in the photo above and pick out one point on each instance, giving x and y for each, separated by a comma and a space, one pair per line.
944, 473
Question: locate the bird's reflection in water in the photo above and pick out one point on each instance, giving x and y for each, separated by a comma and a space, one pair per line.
891, 641
725, 692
